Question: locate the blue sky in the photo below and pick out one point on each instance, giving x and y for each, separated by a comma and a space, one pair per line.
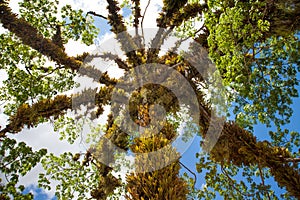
39, 194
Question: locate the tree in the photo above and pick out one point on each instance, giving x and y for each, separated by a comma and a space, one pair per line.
254, 45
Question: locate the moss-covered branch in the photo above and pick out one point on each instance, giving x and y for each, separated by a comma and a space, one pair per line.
240, 147
31, 115
30, 36
127, 43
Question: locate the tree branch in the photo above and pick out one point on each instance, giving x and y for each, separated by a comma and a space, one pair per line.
30, 36
30, 115
127, 43
195, 177
142, 21
95, 14
240, 147
295, 160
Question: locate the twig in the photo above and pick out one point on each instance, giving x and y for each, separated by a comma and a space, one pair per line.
190, 172
142, 21
292, 159
262, 179
232, 183
177, 64
179, 42
95, 14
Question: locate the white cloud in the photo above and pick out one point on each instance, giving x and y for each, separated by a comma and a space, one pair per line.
2, 30
152, 12
74, 48
98, 6
14, 5
3, 118
44, 137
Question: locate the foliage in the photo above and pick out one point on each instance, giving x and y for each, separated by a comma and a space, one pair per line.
259, 68
17, 159
75, 179
45, 16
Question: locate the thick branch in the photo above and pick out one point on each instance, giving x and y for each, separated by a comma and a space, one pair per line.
125, 39
31, 37
30, 115
137, 14
46, 108
168, 11
240, 147
189, 11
